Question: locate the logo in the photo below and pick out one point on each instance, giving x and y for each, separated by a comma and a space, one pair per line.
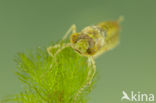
137, 96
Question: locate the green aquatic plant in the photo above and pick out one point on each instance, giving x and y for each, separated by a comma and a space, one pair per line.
52, 80
64, 73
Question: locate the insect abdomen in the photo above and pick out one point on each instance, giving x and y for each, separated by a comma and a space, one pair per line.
111, 30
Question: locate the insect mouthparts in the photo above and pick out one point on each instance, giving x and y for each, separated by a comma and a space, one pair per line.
77, 51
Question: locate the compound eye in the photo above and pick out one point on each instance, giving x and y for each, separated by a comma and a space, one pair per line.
74, 38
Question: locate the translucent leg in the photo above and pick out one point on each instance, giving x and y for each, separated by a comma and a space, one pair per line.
58, 48
94, 69
71, 29
65, 45
89, 78
49, 49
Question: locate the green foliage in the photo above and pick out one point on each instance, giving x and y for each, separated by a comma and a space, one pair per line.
52, 80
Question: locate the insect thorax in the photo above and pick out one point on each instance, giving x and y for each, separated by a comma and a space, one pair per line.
89, 41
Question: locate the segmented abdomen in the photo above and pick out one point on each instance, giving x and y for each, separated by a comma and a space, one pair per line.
111, 35
110, 29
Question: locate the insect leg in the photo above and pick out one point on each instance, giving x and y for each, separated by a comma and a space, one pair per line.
65, 45
94, 70
104, 49
89, 77
51, 48
58, 47
71, 29
54, 50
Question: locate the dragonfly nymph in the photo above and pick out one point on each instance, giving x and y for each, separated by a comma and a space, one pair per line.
92, 41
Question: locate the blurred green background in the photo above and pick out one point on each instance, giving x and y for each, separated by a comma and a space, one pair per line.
27, 24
